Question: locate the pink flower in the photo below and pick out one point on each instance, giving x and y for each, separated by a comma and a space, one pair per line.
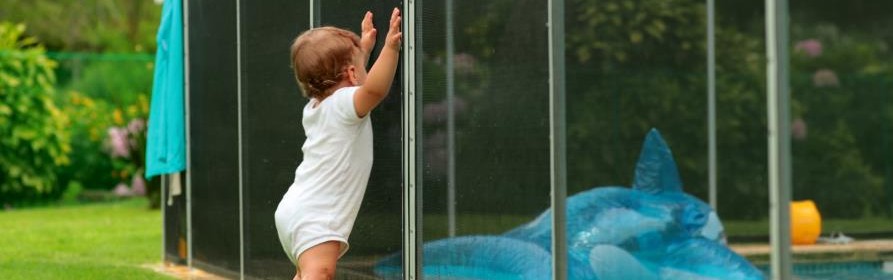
459, 104
464, 63
136, 126
436, 112
811, 47
799, 129
825, 78
138, 184
436, 152
121, 190
119, 142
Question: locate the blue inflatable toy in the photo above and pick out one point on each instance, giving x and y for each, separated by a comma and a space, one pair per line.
650, 231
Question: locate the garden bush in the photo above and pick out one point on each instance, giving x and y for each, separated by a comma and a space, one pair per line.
91, 166
34, 141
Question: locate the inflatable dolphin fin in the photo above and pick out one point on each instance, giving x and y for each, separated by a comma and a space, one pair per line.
656, 170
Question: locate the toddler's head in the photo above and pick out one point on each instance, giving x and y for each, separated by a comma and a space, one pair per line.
321, 58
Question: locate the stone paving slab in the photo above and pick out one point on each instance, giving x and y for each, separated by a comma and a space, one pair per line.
859, 250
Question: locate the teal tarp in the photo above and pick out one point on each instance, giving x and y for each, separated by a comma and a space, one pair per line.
166, 143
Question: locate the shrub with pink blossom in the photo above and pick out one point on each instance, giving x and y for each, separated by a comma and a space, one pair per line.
126, 146
809, 47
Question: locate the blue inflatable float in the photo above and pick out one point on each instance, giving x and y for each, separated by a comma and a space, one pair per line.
650, 231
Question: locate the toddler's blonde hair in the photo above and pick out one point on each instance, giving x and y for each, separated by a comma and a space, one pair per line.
319, 57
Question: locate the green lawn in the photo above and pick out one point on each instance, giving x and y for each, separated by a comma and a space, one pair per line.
96, 241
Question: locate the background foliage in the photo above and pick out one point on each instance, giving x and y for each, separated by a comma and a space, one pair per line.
88, 25
633, 65
101, 52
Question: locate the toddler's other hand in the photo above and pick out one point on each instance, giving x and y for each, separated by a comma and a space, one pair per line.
367, 38
395, 36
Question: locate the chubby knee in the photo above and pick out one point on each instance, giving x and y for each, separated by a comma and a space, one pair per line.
318, 262
318, 272
322, 274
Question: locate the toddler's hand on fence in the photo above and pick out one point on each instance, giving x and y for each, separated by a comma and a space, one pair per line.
367, 38
395, 36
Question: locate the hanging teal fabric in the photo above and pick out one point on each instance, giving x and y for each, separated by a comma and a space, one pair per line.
166, 143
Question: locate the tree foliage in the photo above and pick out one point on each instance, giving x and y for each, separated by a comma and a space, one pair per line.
91, 25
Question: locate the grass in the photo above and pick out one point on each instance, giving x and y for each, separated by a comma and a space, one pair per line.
94, 241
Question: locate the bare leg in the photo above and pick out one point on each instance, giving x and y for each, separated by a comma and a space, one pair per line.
318, 262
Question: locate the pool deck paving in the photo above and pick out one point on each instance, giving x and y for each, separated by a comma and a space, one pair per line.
858, 250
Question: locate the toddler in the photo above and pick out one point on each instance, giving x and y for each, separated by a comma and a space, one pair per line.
317, 213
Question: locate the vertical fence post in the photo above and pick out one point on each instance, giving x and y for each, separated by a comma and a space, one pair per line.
314, 13
778, 95
163, 205
411, 249
240, 143
451, 121
711, 104
557, 138
186, 96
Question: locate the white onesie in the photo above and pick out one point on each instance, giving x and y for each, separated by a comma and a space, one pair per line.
322, 203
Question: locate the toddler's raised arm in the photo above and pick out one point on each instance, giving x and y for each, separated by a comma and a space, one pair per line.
380, 77
367, 37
